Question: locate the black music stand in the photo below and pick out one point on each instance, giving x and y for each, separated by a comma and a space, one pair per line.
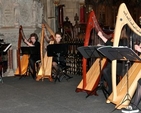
58, 50
4, 47
91, 52
28, 51
120, 53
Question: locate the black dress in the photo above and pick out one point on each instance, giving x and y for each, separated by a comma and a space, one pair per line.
34, 57
106, 73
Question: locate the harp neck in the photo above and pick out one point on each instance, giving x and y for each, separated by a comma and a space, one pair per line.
124, 18
91, 24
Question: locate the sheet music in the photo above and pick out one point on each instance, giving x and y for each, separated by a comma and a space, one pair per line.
4, 47
7, 47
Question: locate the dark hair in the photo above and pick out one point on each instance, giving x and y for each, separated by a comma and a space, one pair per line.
34, 35
59, 33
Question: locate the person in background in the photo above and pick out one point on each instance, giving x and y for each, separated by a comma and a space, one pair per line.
133, 106
33, 42
62, 60
106, 72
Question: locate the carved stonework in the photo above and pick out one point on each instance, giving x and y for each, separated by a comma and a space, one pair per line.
20, 12
14, 13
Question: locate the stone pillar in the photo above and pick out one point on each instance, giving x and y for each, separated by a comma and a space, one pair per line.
82, 11
14, 58
56, 14
10, 71
34, 13
16, 7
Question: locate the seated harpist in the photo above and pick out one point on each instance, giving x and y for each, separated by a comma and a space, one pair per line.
59, 57
33, 42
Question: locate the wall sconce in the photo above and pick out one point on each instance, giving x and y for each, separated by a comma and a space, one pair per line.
81, 2
56, 2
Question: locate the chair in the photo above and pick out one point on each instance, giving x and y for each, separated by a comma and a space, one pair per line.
29, 71
62, 73
59, 53
37, 66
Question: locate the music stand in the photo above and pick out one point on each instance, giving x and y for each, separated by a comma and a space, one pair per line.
91, 52
58, 50
29, 50
4, 47
120, 53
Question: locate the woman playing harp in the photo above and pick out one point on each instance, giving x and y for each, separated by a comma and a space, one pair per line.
106, 72
28, 60
120, 91
91, 78
33, 42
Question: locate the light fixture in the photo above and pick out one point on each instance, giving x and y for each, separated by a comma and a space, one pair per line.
56, 2
81, 2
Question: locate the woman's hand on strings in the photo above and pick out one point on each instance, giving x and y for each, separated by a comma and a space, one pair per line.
137, 48
28, 43
102, 37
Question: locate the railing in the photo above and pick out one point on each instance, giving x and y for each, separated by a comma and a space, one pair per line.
74, 58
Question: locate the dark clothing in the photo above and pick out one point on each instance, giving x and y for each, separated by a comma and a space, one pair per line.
137, 96
34, 57
122, 42
36, 54
61, 60
107, 75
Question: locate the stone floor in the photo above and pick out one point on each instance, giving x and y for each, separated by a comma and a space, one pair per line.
28, 96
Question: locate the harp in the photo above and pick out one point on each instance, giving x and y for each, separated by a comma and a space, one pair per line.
22, 62
46, 62
119, 91
91, 78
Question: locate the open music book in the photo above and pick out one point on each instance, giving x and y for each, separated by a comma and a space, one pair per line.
5, 47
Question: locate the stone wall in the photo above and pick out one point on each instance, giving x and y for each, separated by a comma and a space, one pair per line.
14, 13
29, 14
70, 9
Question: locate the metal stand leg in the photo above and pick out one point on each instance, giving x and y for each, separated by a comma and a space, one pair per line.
101, 85
127, 96
1, 80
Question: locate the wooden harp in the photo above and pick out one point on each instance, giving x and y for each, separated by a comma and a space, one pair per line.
46, 62
22, 62
91, 78
119, 92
